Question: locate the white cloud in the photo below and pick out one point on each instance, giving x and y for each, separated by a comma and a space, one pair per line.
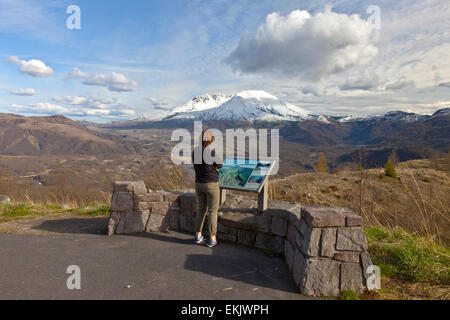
23, 92
305, 45
41, 108
84, 101
114, 82
33, 67
45, 108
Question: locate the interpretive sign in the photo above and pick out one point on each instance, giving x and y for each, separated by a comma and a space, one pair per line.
246, 175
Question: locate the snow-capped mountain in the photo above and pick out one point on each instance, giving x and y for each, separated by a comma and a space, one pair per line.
258, 105
199, 103
248, 105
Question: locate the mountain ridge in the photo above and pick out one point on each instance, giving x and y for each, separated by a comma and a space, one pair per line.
54, 135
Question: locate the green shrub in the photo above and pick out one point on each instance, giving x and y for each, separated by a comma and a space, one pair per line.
390, 169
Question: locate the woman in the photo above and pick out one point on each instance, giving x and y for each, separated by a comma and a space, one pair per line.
208, 192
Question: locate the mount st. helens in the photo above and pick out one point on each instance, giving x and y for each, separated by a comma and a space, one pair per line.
252, 105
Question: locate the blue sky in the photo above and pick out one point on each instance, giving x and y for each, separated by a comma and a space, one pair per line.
132, 56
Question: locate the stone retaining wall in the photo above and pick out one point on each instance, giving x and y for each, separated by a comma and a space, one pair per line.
325, 247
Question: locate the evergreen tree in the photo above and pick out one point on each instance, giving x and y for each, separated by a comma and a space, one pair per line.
322, 165
390, 169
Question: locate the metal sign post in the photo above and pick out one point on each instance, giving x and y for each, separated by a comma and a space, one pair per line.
263, 194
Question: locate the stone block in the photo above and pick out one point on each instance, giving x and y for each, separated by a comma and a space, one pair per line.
160, 208
321, 217
294, 216
321, 277
328, 242
365, 263
310, 244
174, 219
277, 213
291, 232
298, 240
351, 277
186, 223
226, 237
298, 268
132, 222
246, 238
289, 254
279, 226
237, 220
158, 222
143, 206
187, 198
269, 242
137, 187
122, 201
347, 256
171, 197
187, 208
351, 239
228, 230
113, 221
262, 223
148, 197
123, 186
351, 218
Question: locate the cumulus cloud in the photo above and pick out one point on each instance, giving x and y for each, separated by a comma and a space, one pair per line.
90, 106
33, 67
306, 45
79, 106
23, 92
41, 108
84, 101
114, 82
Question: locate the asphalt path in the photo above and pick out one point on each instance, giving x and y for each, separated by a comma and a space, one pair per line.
140, 266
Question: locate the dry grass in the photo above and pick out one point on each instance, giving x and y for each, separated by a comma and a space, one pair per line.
417, 201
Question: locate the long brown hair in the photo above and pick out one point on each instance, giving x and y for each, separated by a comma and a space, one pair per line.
207, 138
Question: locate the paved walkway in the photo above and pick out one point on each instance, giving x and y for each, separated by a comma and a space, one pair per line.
143, 266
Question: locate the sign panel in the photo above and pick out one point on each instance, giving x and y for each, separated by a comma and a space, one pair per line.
244, 174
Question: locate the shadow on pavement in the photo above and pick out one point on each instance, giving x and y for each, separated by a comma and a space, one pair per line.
75, 225
226, 261
244, 265
232, 262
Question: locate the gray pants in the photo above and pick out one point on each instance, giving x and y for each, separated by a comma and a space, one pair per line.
208, 196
